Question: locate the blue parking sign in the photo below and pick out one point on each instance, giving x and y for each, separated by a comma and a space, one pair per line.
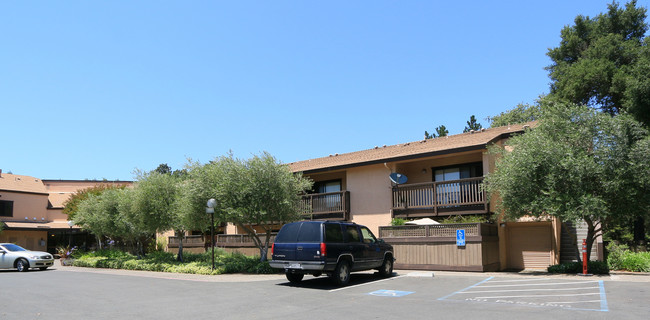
460, 238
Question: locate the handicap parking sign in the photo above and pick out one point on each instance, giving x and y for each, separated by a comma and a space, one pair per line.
460, 237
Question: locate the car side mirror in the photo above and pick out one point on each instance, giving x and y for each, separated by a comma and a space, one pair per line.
381, 241
2, 251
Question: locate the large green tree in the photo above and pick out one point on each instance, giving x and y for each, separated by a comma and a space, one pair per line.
577, 164
154, 202
260, 191
603, 62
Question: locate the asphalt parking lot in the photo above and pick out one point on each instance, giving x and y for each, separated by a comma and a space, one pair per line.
79, 293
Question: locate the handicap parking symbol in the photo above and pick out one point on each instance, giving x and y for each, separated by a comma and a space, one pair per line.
390, 293
460, 237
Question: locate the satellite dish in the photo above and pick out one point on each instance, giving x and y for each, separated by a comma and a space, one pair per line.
398, 178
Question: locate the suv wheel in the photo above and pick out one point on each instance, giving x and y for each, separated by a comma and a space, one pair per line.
386, 269
294, 277
341, 274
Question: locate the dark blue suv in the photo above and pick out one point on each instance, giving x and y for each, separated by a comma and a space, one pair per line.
330, 247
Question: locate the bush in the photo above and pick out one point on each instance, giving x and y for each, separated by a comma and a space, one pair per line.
620, 258
397, 222
196, 263
593, 267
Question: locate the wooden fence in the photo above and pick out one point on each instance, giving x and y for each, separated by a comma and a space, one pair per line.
434, 247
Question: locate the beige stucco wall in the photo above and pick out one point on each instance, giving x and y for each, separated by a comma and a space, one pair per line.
26, 205
370, 196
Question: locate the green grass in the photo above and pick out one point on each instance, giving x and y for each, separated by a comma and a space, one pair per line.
166, 262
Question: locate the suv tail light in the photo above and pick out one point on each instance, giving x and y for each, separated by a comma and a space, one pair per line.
272, 248
323, 249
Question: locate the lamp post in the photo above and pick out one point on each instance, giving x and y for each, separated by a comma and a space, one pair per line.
70, 223
210, 210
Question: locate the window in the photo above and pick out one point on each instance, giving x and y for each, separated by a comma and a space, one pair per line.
368, 237
6, 208
353, 234
471, 170
333, 233
309, 232
327, 186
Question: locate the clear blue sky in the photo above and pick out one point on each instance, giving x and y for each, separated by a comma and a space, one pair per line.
92, 89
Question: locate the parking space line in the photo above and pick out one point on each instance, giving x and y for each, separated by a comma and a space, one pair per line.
520, 280
536, 284
579, 294
603, 297
541, 295
470, 287
520, 290
572, 302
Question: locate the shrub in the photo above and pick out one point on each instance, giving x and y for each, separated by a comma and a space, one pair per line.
196, 263
620, 258
397, 222
593, 267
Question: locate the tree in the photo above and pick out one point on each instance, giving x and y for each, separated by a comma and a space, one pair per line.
472, 125
153, 206
70, 206
603, 62
441, 131
576, 164
522, 113
260, 191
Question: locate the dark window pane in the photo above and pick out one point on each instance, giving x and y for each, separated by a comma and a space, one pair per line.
288, 233
333, 233
353, 234
309, 232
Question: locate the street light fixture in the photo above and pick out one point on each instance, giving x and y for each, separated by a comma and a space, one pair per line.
210, 210
70, 223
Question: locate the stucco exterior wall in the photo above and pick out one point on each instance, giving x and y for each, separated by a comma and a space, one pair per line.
370, 196
26, 205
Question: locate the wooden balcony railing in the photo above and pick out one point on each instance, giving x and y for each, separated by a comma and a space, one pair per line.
432, 198
188, 241
331, 206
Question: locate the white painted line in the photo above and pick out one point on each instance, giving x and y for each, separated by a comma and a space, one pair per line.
574, 302
537, 284
363, 284
542, 295
552, 289
495, 281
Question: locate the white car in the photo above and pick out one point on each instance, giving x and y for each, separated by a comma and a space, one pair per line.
13, 256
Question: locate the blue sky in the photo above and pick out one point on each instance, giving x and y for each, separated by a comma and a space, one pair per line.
92, 90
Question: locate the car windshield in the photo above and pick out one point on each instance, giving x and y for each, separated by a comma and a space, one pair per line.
13, 247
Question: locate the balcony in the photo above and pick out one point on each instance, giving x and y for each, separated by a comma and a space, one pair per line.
464, 196
326, 206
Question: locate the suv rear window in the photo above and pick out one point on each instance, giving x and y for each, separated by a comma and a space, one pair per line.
333, 233
309, 232
288, 233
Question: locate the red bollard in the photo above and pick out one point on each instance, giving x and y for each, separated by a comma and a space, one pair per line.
584, 256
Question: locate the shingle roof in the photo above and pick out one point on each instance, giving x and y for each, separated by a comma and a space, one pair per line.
18, 183
57, 199
422, 148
